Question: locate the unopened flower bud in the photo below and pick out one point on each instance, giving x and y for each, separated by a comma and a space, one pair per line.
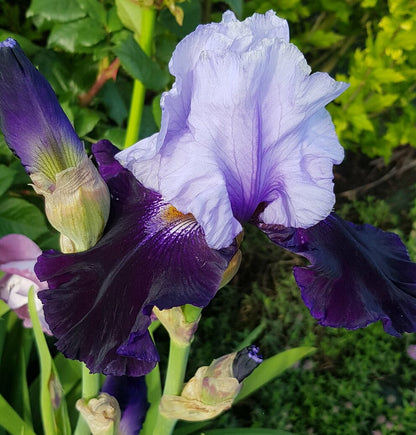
36, 128
213, 388
174, 321
246, 361
77, 204
101, 414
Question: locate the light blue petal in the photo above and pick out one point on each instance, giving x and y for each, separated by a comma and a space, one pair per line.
244, 127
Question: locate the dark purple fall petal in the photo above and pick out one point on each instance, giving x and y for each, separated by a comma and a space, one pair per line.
99, 301
33, 123
359, 274
131, 395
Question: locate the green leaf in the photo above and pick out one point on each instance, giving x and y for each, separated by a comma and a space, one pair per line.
21, 392
85, 120
388, 75
76, 36
252, 336
130, 14
4, 149
360, 121
69, 372
4, 308
271, 368
236, 5
45, 362
94, 9
140, 66
115, 106
116, 136
113, 21
56, 10
192, 14
21, 217
248, 431
6, 178
322, 39
157, 111
11, 421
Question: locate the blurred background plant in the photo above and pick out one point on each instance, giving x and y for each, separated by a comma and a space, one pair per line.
358, 382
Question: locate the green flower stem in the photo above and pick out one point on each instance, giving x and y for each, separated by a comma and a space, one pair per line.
154, 391
47, 414
90, 388
145, 40
91, 383
178, 359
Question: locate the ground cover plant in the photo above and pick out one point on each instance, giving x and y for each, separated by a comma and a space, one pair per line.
107, 62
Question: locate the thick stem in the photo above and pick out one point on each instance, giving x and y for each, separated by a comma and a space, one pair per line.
178, 359
144, 39
90, 389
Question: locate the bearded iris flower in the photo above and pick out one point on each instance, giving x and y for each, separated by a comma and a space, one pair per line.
245, 138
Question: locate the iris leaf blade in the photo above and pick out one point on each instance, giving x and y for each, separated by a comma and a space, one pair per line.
45, 361
11, 421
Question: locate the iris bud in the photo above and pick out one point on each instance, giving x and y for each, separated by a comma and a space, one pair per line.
213, 388
101, 414
174, 321
77, 204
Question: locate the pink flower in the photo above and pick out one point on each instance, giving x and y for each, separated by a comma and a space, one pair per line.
18, 256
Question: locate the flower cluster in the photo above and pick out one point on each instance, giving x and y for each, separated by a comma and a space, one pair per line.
245, 139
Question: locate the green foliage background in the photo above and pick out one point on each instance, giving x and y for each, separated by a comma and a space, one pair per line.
357, 382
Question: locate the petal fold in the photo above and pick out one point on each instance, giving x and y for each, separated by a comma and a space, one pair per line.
358, 274
99, 301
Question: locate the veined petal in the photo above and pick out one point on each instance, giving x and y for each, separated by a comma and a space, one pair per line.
244, 124
31, 119
131, 395
100, 301
229, 35
358, 274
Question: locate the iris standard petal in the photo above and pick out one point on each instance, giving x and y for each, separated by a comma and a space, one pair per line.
243, 125
131, 395
358, 274
31, 119
100, 301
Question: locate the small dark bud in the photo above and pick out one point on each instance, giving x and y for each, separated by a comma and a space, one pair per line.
246, 361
